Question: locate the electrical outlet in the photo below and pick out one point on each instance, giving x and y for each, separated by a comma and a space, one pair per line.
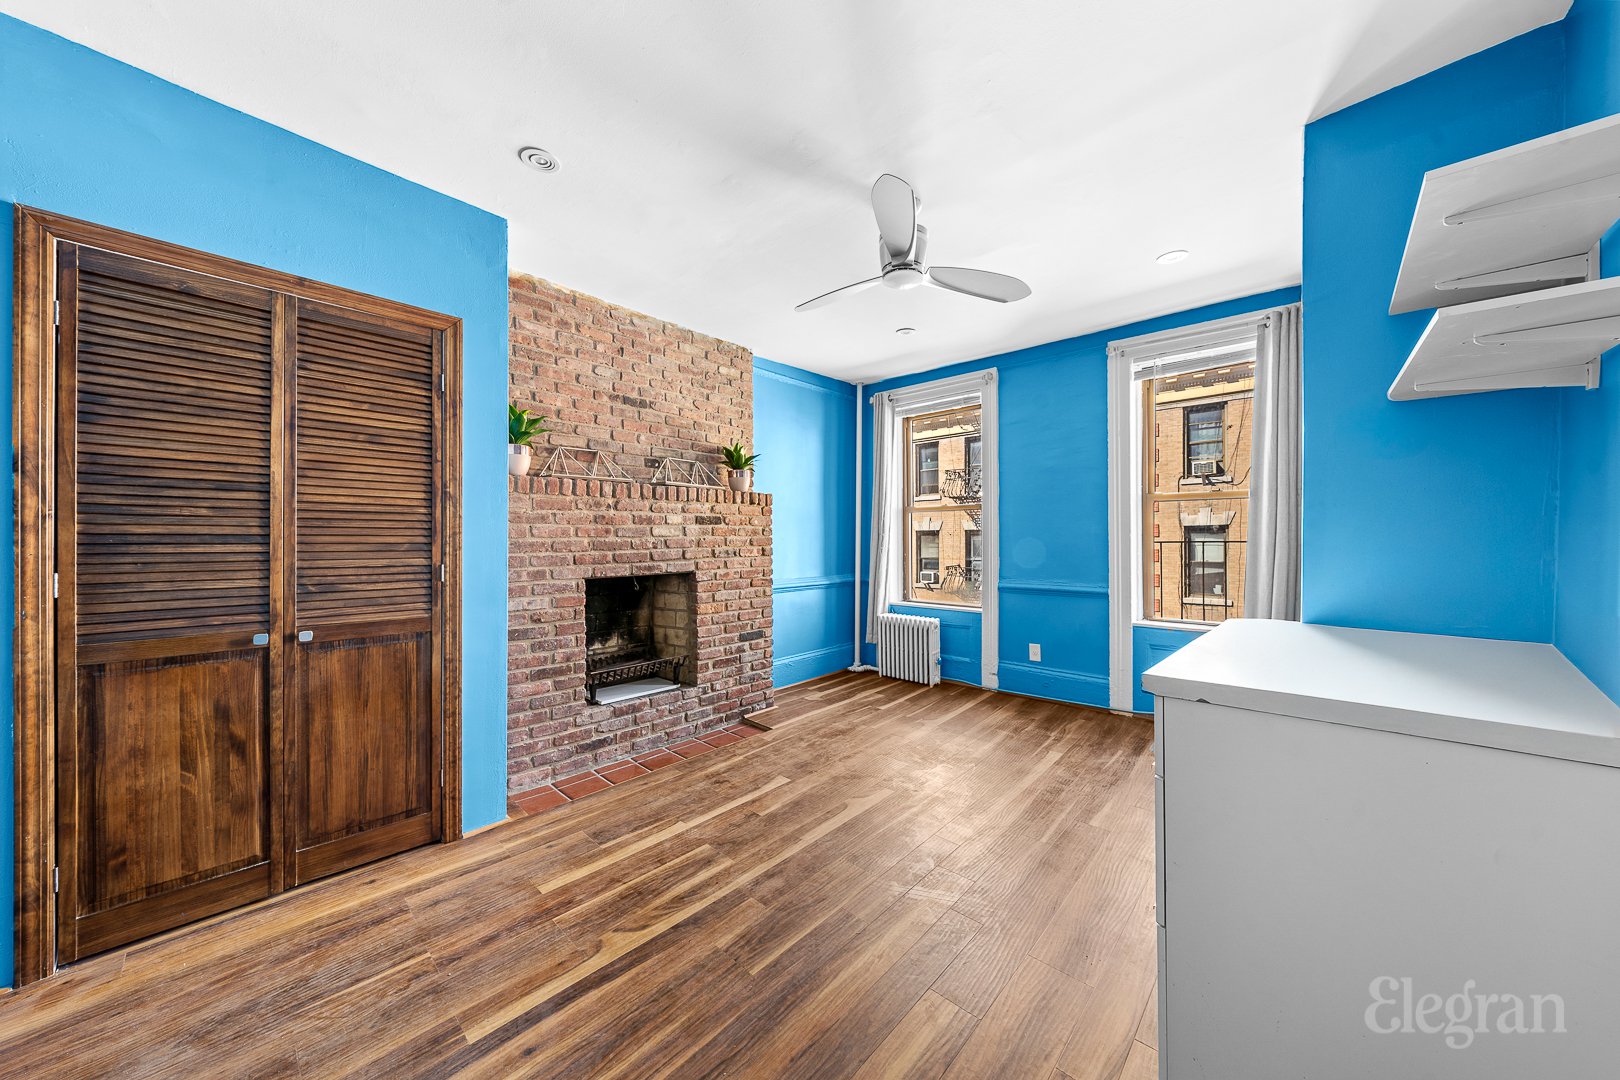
1034, 653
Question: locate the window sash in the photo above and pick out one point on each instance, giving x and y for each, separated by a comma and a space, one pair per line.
926, 500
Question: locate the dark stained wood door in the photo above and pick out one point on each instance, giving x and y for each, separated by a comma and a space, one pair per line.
249, 645
366, 584
167, 535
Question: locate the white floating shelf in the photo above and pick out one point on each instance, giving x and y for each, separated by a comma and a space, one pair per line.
1551, 337
1512, 221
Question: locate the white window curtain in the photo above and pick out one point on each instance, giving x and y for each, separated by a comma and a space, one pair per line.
888, 489
1272, 585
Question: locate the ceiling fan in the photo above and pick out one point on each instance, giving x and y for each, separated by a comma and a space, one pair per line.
902, 243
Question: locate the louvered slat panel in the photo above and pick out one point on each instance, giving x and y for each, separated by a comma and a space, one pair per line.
173, 410
365, 492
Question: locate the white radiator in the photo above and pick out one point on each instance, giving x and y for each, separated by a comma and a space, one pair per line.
908, 648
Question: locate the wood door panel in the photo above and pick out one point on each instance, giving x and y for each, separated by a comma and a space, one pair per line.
365, 587
173, 790
165, 726
366, 733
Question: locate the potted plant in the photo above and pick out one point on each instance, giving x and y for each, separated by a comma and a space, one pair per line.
521, 428
741, 465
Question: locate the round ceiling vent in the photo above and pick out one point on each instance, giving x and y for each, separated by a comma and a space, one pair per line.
536, 158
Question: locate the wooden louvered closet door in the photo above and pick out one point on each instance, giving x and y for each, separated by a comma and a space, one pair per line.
365, 582
166, 719
249, 636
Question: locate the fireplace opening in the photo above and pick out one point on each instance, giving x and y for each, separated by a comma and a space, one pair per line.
640, 636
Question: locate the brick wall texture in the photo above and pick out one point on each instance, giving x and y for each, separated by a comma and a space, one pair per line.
637, 389
615, 380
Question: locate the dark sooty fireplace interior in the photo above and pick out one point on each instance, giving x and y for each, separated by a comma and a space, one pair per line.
640, 635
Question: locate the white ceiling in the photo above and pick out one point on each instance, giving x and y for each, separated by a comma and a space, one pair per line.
716, 155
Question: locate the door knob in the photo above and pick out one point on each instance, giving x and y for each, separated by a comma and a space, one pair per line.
306, 635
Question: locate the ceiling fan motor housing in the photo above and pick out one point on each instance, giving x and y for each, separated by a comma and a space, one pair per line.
910, 271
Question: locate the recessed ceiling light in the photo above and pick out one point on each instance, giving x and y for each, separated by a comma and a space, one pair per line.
1172, 256
537, 158
906, 330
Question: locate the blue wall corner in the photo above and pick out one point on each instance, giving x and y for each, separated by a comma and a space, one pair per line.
1431, 516
804, 432
1054, 555
1587, 620
172, 165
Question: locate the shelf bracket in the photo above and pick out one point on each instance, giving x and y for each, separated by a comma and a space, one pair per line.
1568, 268
1594, 190
1602, 333
1588, 375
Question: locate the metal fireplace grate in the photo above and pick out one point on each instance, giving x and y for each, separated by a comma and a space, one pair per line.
668, 667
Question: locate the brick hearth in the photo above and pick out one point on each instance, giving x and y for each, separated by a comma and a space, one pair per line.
637, 389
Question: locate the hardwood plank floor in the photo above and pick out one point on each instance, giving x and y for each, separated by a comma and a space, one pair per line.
897, 881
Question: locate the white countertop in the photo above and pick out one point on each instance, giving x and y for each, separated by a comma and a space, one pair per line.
1512, 695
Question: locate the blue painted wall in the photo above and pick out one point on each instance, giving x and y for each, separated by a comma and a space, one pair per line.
1432, 516
804, 432
1053, 516
86, 136
1587, 618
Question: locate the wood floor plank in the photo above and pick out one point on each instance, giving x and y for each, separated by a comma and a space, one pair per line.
923, 1044
1023, 1033
895, 881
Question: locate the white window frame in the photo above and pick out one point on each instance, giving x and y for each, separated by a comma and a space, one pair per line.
975, 388
1130, 361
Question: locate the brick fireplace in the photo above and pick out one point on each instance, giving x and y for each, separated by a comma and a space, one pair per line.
635, 390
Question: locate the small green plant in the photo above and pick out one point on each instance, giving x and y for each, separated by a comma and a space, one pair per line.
521, 428
737, 457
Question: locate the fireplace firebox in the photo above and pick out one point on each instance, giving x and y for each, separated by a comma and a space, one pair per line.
640, 636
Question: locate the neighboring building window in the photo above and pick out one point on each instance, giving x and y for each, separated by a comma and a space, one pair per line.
928, 559
1204, 573
1205, 426
974, 452
943, 507
927, 468
1195, 489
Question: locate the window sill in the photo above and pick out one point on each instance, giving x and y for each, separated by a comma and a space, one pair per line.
1174, 624
939, 605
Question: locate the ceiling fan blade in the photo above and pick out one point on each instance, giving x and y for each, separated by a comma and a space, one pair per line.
981, 283
837, 294
894, 205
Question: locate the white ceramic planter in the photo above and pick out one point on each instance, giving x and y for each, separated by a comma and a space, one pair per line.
517, 459
741, 481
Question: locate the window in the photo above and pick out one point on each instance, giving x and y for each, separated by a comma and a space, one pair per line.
943, 509
928, 558
1204, 570
1205, 426
1180, 446
927, 468
1195, 486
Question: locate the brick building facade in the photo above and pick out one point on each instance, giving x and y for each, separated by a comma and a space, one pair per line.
1198, 473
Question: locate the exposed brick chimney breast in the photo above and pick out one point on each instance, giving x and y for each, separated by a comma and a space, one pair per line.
636, 389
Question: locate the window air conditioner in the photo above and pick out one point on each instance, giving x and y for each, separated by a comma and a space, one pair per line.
928, 577
1205, 468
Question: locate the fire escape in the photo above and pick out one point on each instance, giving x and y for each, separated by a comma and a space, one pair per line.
964, 487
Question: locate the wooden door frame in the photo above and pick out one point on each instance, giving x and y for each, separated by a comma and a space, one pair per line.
33, 448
